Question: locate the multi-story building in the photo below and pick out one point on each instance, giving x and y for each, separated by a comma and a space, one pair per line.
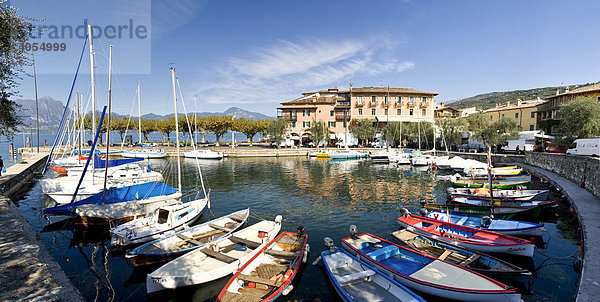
338, 107
392, 104
547, 113
523, 112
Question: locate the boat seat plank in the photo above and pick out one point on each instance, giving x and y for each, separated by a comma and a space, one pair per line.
343, 280
444, 255
469, 260
228, 248
217, 255
218, 227
281, 253
246, 242
260, 280
189, 239
462, 220
238, 218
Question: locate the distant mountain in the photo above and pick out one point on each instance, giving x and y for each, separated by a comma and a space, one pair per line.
51, 110
489, 100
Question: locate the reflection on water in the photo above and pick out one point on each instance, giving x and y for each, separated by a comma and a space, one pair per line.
323, 196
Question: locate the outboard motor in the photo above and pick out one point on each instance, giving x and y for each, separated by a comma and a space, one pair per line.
423, 212
329, 243
299, 231
404, 212
353, 232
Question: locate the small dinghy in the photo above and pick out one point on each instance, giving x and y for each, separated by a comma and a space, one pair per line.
162, 222
199, 236
498, 194
427, 274
473, 260
496, 183
503, 203
355, 280
217, 260
496, 171
472, 238
270, 273
500, 212
503, 226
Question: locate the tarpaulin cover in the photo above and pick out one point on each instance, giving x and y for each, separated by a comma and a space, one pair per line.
116, 195
100, 163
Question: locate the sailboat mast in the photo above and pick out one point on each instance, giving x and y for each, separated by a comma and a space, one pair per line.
93, 80
37, 115
387, 120
108, 121
139, 114
176, 130
79, 123
195, 122
419, 132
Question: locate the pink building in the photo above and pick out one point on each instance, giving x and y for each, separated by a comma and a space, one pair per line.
337, 107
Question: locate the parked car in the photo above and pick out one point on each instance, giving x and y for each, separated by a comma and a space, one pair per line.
585, 146
554, 148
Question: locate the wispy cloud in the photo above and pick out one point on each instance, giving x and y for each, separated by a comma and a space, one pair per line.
170, 15
284, 69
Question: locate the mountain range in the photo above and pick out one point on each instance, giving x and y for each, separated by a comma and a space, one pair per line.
51, 110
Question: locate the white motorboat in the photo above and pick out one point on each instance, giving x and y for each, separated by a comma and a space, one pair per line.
219, 259
148, 154
203, 154
162, 222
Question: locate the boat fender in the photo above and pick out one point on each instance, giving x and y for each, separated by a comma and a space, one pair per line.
288, 274
306, 252
262, 234
353, 232
251, 285
423, 212
240, 248
485, 221
287, 290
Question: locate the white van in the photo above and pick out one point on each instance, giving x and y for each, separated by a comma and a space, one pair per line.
585, 146
518, 145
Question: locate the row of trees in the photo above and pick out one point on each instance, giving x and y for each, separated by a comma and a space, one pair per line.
219, 125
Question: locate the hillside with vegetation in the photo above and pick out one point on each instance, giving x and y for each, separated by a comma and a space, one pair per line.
489, 100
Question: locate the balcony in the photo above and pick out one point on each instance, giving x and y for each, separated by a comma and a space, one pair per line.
342, 104
373, 104
288, 117
424, 104
359, 104
340, 117
411, 104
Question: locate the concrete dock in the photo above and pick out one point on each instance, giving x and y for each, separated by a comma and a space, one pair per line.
587, 207
27, 270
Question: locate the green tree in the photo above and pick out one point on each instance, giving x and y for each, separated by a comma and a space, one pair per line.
218, 125
394, 132
580, 119
149, 126
363, 130
277, 129
250, 127
14, 32
419, 132
450, 129
320, 133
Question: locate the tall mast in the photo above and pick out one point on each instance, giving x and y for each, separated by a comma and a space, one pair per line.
176, 130
37, 115
387, 120
419, 132
139, 114
108, 121
195, 122
93, 80
79, 123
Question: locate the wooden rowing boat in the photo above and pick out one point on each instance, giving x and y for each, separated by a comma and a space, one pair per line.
427, 274
269, 273
472, 238
503, 226
473, 260
217, 260
172, 246
498, 194
499, 212
355, 280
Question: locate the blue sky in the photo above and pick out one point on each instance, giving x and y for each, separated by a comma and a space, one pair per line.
256, 54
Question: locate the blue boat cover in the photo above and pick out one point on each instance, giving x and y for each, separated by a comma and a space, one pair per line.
116, 195
100, 163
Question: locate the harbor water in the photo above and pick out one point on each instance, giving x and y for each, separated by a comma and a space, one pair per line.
325, 197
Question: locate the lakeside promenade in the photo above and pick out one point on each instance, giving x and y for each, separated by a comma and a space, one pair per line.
27, 270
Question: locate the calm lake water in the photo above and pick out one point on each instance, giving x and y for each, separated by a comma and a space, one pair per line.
325, 197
